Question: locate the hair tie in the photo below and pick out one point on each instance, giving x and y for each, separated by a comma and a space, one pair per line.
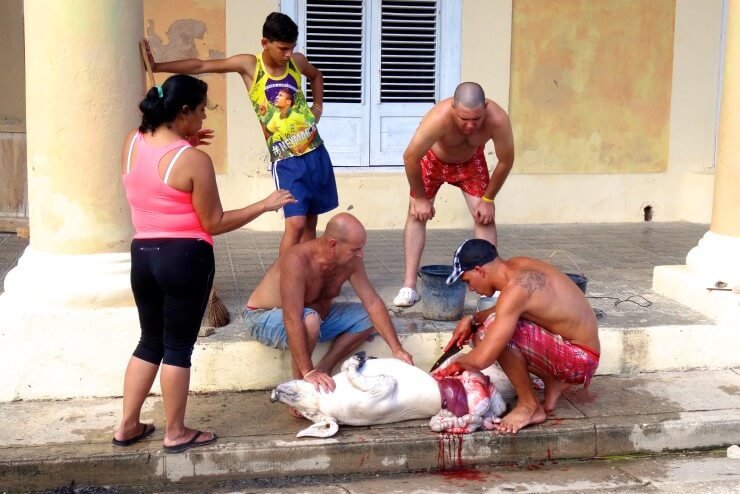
160, 92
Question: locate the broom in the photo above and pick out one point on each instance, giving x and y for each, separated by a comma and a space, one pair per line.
217, 314
145, 59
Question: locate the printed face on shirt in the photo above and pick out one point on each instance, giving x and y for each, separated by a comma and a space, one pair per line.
284, 99
273, 88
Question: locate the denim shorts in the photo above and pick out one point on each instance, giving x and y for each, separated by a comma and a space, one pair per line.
266, 325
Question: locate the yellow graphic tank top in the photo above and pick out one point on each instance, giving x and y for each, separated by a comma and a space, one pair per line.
281, 108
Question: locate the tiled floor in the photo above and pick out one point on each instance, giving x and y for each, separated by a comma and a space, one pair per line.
617, 259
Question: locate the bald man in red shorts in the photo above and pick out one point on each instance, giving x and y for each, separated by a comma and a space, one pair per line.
448, 148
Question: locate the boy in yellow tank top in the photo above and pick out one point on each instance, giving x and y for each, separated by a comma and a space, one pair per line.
300, 162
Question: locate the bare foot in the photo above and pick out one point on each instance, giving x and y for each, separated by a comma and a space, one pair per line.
553, 390
295, 413
520, 417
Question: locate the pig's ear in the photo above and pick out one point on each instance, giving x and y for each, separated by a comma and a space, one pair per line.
326, 427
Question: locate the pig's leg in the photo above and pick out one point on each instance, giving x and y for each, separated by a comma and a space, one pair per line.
445, 421
377, 386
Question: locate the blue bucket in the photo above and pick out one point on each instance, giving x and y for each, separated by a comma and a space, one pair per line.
579, 280
440, 301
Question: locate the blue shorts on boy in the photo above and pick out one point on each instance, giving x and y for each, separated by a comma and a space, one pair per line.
266, 325
310, 178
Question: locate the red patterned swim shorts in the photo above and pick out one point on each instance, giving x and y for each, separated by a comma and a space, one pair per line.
550, 354
471, 176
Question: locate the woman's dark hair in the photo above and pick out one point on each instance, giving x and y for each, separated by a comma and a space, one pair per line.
176, 92
280, 27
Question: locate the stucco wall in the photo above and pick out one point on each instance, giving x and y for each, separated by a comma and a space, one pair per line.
379, 198
684, 190
12, 75
591, 92
181, 29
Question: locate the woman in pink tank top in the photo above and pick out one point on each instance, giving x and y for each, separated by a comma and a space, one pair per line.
176, 209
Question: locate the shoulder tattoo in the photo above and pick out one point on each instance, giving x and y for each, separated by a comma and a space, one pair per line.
531, 281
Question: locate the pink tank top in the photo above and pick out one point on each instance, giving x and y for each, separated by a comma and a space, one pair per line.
158, 210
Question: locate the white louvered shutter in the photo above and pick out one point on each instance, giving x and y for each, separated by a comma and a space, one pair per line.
408, 51
334, 43
381, 62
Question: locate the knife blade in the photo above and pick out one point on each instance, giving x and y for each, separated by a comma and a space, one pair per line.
449, 353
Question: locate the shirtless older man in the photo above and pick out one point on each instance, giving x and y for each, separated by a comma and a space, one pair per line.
293, 306
542, 323
448, 148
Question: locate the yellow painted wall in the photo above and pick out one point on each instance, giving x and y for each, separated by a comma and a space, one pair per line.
591, 91
12, 75
179, 29
530, 195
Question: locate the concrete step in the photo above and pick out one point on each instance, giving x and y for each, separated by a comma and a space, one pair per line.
48, 444
50, 355
230, 361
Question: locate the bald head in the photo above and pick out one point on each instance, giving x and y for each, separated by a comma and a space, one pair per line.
344, 227
470, 95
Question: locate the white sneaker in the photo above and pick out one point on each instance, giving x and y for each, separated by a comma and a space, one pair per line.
406, 297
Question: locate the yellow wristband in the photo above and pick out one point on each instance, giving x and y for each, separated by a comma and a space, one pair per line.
308, 373
485, 199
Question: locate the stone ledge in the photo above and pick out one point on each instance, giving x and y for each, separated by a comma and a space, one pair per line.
681, 284
410, 447
67, 361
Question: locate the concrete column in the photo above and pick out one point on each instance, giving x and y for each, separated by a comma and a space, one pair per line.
726, 206
716, 258
83, 85
68, 320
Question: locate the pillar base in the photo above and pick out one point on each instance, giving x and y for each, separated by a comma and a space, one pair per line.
44, 280
64, 352
714, 259
683, 285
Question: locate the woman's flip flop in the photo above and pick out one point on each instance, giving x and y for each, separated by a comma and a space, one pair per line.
148, 430
179, 448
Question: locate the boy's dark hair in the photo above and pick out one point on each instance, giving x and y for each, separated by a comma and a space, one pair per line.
176, 92
280, 27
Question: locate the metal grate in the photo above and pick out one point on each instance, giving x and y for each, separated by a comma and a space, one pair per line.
334, 39
408, 51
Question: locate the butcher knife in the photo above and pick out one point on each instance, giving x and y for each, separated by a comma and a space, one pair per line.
449, 353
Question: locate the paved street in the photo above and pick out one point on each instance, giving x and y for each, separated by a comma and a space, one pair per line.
62, 442
705, 473
672, 474
648, 413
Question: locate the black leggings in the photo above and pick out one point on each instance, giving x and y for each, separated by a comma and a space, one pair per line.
171, 279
